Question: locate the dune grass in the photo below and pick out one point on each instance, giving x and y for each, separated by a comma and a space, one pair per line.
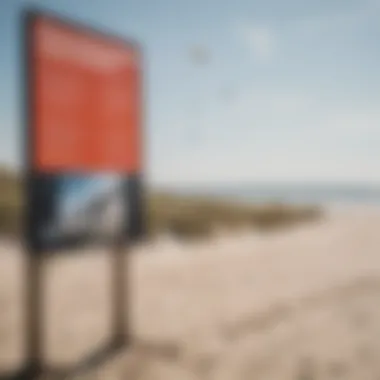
195, 216
10, 203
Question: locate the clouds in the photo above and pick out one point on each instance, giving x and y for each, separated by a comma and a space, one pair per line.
260, 40
355, 122
276, 164
278, 134
266, 40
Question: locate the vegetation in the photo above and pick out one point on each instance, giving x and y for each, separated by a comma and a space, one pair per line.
188, 216
10, 203
183, 216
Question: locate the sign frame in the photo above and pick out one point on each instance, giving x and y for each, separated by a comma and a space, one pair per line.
34, 366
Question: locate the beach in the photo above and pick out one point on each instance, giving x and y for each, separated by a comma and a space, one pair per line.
296, 303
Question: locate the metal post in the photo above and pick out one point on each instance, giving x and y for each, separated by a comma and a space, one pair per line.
33, 317
120, 295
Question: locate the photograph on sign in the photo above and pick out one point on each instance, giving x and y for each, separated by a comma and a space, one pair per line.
84, 209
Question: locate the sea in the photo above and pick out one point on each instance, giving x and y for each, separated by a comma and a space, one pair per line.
292, 193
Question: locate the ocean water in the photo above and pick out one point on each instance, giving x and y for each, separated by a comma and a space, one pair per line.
315, 194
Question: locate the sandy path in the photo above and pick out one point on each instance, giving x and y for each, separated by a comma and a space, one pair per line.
300, 304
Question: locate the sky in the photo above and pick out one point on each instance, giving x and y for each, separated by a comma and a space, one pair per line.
290, 91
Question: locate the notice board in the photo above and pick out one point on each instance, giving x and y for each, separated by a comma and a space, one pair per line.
84, 135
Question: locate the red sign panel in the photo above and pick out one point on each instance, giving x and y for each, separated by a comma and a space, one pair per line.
86, 101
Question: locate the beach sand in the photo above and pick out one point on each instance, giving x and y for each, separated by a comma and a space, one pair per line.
298, 304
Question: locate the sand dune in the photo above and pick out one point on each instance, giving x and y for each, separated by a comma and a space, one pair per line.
296, 304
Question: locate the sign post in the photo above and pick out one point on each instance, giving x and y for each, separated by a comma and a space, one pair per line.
83, 162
